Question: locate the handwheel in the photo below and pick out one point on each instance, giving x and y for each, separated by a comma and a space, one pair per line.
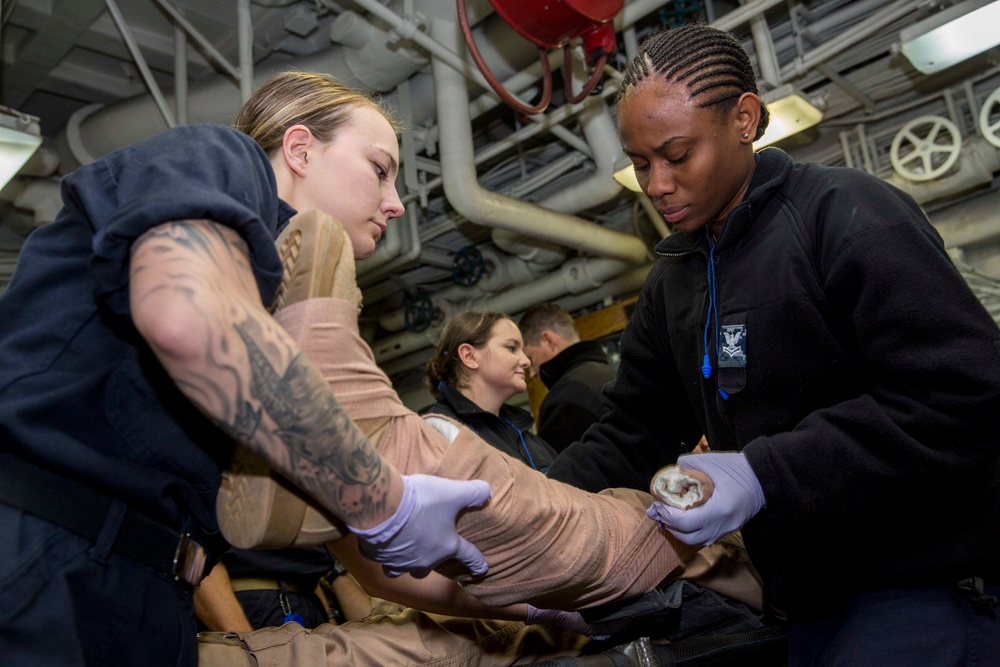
925, 148
991, 129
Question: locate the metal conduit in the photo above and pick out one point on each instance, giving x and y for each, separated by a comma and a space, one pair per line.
479, 205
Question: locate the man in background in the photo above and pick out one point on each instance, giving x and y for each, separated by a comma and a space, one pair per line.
573, 371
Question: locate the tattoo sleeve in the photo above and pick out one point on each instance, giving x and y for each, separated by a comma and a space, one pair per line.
195, 300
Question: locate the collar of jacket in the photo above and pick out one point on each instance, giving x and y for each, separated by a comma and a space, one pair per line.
773, 167
577, 353
285, 213
465, 409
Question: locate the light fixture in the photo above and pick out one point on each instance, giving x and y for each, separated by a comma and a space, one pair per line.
20, 137
625, 174
952, 35
790, 111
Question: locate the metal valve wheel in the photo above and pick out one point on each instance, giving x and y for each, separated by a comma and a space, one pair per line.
925, 148
991, 129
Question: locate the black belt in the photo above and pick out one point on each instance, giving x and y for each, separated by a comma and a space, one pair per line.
85, 511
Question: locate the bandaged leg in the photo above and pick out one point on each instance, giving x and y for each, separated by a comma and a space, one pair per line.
546, 542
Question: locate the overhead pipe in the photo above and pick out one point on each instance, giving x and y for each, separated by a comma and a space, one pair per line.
503, 272
969, 223
180, 76
140, 63
602, 138
767, 60
629, 282
535, 253
479, 205
846, 40
601, 134
605, 149
98, 129
577, 276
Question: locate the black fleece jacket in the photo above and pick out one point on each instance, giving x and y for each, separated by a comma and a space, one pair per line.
510, 432
868, 402
574, 378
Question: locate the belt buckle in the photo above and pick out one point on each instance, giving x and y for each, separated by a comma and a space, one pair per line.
189, 561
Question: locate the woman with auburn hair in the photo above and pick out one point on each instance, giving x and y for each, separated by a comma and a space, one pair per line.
479, 365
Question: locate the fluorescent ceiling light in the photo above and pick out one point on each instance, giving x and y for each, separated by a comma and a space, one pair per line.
20, 137
625, 174
790, 112
952, 35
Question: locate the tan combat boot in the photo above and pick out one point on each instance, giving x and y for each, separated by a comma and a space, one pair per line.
256, 507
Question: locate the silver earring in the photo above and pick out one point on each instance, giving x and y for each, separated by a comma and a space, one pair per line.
746, 136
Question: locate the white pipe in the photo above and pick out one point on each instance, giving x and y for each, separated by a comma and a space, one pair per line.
180, 76
849, 38
602, 137
536, 253
494, 210
629, 282
577, 276
41, 197
96, 130
244, 24
196, 35
655, 217
367, 275
605, 148
502, 272
968, 223
767, 60
140, 63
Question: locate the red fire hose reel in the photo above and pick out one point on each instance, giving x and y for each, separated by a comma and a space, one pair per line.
550, 24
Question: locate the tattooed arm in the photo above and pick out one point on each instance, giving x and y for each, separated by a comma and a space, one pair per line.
195, 301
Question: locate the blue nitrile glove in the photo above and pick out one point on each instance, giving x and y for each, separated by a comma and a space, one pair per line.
573, 621
737, 497
421, 533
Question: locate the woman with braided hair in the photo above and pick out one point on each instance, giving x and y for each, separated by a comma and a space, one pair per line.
809, 321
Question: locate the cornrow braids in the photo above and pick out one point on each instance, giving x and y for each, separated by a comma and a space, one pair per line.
712, 63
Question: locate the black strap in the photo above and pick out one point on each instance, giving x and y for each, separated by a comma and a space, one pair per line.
85, 511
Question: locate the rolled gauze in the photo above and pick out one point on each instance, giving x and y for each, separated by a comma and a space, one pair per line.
683, 489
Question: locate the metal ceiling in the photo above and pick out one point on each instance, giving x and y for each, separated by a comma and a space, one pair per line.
69, 62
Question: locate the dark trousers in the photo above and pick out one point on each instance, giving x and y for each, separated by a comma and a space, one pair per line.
263, 608
63, 601
931, 627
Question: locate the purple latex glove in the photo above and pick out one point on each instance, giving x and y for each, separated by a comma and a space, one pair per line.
572, 621
421, 533
736, 498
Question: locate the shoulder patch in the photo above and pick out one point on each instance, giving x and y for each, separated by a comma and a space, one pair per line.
733, 353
